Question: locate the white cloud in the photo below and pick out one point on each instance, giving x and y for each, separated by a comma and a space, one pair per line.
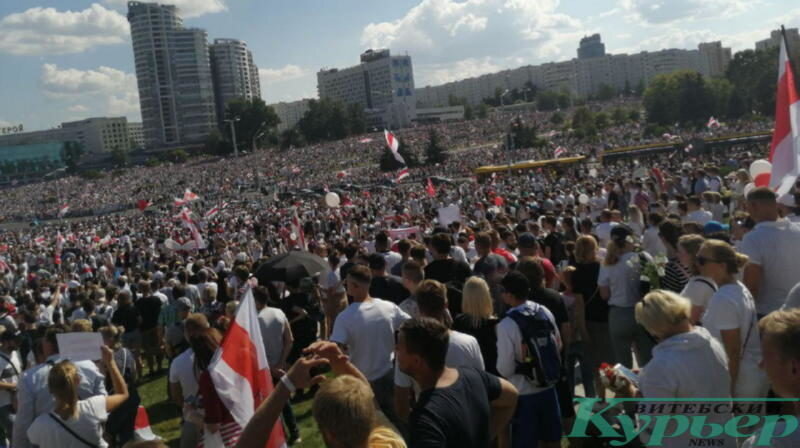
114, 91
39, 31
269, 76
435, 74
186, 8
449, 30
659, 12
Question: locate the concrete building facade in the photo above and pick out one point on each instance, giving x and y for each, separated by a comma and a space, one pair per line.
97, 135
235, 74
173, 73
290, 113
583, 76
382, 84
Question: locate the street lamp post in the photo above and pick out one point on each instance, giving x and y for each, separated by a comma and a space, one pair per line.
232, 122
258, 135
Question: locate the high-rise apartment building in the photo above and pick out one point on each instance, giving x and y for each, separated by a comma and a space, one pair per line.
235, 74
173, 73
591, 47
382, 84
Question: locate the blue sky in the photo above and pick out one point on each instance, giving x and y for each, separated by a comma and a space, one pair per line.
70, 59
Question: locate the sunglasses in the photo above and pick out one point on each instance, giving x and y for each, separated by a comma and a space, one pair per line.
701, 260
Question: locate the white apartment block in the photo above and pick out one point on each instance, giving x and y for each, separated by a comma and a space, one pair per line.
583, 76
136, 134
235, 74
382, 84
290, 113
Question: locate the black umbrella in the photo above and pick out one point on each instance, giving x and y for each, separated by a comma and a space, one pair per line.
291, 266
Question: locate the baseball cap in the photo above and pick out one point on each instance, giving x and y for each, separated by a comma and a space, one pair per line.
526, 241
183, 304
621, 232
714, 227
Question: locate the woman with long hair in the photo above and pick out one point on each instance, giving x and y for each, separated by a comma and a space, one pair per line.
731, 318
619, 283
478, 319
120, 426
77, 423
699, 289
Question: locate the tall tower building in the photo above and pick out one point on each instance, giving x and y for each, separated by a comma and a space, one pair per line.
591, 47
235, 74
173, 74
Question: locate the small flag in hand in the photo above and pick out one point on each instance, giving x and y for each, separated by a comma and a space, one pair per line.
560, 151
712, 123
430, 189
394, 146
142, 204
402, 174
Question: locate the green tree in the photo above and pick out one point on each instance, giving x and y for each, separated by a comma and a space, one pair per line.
582, 118
547, 100
468, 113
557, 118
72, 153
291, 138
434, 152
753, 75
564, 98
639, 91
721, 91
618, 116
357, 120
736, 106
635, 115
216, 144
601, 120
605, 92
119, 157
482, 111
256, 121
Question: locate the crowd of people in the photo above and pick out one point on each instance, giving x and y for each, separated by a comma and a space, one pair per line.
463, 314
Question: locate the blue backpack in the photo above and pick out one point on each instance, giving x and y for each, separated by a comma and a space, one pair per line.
543, 363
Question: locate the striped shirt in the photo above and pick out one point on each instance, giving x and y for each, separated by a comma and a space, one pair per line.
675, 276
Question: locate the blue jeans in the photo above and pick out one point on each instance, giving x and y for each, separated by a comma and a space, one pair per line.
626, 334
538, 417
575, 353
7, 417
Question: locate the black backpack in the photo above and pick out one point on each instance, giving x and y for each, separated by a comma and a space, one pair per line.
540, 335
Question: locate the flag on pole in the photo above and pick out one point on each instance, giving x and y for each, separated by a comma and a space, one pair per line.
430, 188
239, 369
142, 204
186, 217
63, 210
784, 151
402, 174
712, 123
394, 146
214, 211
560, 151
188, 196
297, 236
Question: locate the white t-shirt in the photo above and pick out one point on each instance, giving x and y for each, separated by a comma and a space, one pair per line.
699, 290
774, 246
462, 351
652, 243
699, 216
392, 258
273, 323
732, 307
603, 232
45, 432
331, 279
182, 371
9, 373
623, 280
367, 329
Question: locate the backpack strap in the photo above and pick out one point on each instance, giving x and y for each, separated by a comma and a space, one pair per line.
69, 430
710, 285
8, 360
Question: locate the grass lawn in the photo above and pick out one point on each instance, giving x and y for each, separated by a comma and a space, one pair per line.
165, 418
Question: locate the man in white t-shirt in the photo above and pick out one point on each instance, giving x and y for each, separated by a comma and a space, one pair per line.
183, 385
366, 330
696, 213
603, 230
10, 369
772, 246
780, 359
463, 349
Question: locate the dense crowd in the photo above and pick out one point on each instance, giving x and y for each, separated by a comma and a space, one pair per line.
460, 313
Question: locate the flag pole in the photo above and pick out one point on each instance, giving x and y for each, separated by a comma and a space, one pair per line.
789, 57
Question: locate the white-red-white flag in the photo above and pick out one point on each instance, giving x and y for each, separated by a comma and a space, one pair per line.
297, 236
63, 210
239, 369
141, 426
560, 151
402, 174
186, 217
784, 152
712, 123
214, 211
188, 196
394, 146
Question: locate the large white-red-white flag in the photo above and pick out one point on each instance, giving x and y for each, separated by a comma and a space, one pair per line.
394, 146
240, 372
784, 152
63, 210
402, 174
297, 237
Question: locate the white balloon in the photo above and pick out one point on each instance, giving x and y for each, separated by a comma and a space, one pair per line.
583, 199
332, 200
593, 172
759, 167
748, 188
